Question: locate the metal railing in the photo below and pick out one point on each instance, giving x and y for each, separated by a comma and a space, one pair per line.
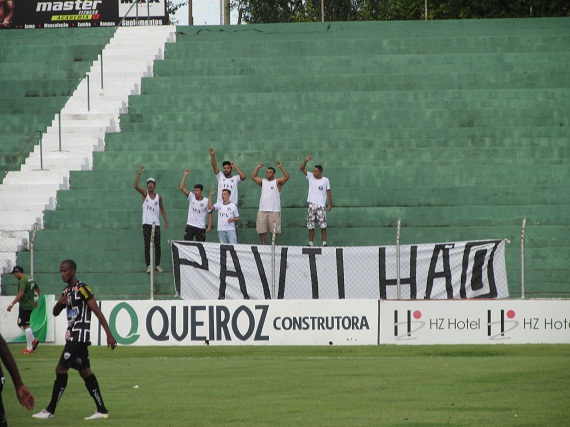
522, 256
152, 260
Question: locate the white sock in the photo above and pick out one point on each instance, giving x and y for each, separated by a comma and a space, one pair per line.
29, 337
310, 243
324, 242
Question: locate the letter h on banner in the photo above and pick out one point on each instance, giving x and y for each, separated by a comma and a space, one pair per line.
385, 282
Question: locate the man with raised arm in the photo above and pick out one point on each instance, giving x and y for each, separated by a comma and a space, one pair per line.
319, 199
151, 206
197, 212
270, 201
227, 181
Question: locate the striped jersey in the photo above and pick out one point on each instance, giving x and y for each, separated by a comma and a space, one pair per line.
78, 312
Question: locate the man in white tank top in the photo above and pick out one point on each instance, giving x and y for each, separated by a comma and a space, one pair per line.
151, 206
270, 201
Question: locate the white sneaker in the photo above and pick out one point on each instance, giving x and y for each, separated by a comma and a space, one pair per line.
158, 269
98, 416
148, 269
44, 414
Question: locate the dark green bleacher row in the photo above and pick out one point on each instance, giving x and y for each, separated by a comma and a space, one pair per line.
39, 70
458, 128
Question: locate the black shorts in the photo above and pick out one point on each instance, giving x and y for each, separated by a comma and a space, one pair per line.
199, 233
75, 355
24, 317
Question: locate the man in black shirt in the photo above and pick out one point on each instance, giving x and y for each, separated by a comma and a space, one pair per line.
79, 301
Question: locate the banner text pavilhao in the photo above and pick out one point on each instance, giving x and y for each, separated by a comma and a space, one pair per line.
429, 271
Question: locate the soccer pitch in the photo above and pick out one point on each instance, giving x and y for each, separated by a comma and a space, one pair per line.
498, 385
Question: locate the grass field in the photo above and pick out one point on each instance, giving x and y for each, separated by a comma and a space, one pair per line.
500, 385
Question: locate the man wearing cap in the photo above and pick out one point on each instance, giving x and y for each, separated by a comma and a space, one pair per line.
27, 289
151, 206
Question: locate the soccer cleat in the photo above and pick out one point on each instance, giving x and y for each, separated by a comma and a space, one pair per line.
98, 416
148, 269
44, 414
35, 343
26, 351
158, 269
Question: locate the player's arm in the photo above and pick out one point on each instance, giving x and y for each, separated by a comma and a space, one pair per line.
183, 183
281, 181
329, 198
241, 174
111, 341
210, 195
304, 165
210, 220
60, 304
236, 216
162, 211
254, 176
140, 190
22, 393
18, 297
213, 161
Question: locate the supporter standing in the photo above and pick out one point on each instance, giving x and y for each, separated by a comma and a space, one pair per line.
227, 181
151, 206
270, 200
228, 216
197, 212
319, 195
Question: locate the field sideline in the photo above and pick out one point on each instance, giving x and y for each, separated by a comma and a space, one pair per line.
498, 385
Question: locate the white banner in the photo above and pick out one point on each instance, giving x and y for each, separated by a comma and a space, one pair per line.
342, 322
239, 323
475, 322
208, 271
145, 8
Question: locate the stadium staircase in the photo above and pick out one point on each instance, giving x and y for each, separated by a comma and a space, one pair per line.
458, 128
76, 111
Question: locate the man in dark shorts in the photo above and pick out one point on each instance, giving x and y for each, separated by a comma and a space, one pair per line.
27, 290
79, 301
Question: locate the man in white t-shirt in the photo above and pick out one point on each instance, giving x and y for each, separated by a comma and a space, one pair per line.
151, 206
228, 216
319, 199
270, 201
197, 212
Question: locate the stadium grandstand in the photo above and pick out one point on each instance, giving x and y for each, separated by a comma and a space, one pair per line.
459, 129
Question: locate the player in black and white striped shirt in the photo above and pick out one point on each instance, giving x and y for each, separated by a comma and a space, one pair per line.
79, 302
